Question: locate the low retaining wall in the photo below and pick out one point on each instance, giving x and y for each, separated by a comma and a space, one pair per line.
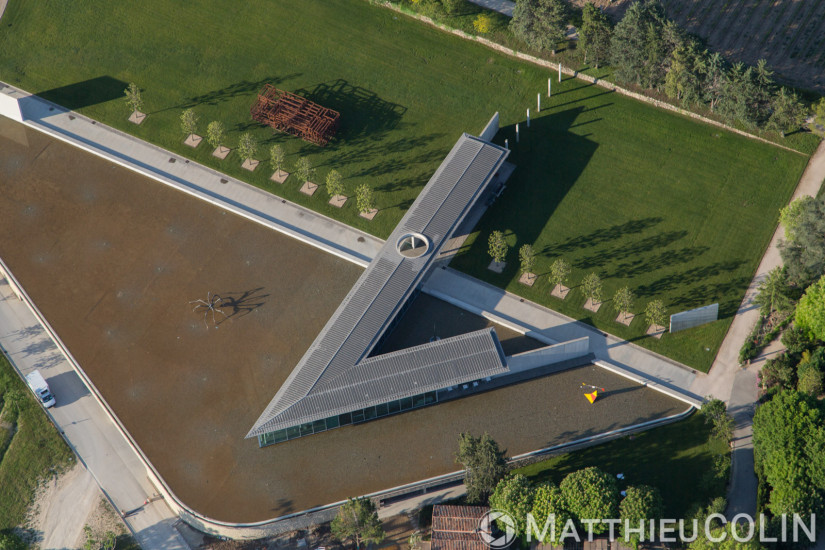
9, 103
550, 354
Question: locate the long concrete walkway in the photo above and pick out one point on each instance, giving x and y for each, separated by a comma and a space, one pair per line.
552, 327
102, 449
197, 180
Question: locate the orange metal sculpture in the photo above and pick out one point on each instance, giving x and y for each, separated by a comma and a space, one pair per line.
295, 115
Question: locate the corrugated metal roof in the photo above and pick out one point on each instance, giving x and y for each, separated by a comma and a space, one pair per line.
379, 294
456, 527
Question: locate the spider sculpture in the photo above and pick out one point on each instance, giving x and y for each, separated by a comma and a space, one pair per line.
212, 304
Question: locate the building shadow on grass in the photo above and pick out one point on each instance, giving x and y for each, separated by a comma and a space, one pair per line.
549, 160
84, 94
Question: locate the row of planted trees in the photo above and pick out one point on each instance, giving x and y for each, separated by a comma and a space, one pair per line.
590, 285
647, 49
248, 149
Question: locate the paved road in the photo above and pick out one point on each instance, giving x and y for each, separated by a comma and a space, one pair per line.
100, 446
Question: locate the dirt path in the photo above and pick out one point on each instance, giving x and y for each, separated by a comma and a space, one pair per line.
62, 507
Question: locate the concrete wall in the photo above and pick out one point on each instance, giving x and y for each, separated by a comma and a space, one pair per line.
549, 355
9, 103
11, 280
694, 317
491, 129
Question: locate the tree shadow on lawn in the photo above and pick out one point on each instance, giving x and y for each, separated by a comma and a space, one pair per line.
728, 293
632, 250
87, 93
244, 87
647, 458
665, 259
600, 236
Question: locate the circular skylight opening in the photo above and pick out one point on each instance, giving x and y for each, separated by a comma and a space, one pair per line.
413, 245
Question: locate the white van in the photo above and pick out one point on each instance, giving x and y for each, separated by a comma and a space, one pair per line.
38, 385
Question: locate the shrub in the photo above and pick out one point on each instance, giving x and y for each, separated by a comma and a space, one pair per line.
276, 157
483, 23
189, 122
527, 258
133, 97
247, 146
591, 493
335, 183
810, 312
497, 246
514, 495
809, 378
363, 199
215, 133
655, 313
778, 371
795, 340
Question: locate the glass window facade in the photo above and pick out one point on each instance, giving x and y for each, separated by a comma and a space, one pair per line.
354, 417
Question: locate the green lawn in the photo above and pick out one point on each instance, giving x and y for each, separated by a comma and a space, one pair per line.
673, 208
30, 449
675, 458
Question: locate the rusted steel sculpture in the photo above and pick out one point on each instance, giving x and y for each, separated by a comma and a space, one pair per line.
295, 115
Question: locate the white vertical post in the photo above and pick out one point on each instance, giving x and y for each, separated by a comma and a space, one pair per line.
507, 144
549, 87
516, 133
538, 103
528, 118
559, 72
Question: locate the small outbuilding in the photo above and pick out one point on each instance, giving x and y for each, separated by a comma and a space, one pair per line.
458, 527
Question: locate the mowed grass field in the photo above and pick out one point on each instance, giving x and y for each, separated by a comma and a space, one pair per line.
673, 208
676, 211
30, 448
678, 459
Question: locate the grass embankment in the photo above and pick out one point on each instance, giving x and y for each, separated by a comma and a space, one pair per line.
675, 209
30, 448
679, 459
